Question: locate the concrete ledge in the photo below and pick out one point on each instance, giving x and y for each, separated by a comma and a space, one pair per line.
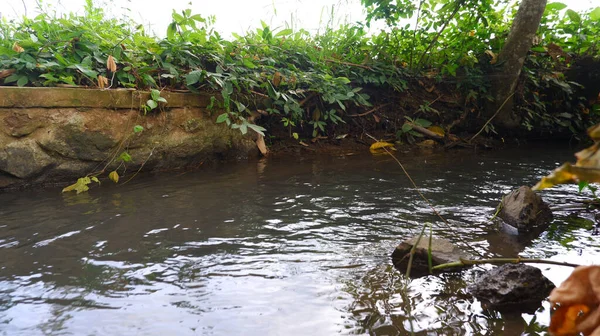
27, 97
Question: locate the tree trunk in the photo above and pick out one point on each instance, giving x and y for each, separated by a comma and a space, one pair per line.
511, 57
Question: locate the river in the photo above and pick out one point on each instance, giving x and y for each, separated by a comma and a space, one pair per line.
289, 246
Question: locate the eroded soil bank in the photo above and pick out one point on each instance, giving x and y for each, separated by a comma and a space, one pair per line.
55, 135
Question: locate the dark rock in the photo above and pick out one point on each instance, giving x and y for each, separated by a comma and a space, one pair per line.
512, 288
525, 211
442, 252
72, 142
24, 159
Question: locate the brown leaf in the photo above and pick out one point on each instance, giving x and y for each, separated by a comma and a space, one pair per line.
16, 47
576, 303
493, 56
276, 78
260, 143
111, 65
102, 81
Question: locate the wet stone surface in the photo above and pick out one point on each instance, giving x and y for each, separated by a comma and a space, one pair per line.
512, 288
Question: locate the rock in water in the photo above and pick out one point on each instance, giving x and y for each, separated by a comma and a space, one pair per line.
442, 252
517, 288
525, 211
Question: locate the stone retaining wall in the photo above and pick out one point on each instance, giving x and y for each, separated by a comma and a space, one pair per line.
54, 135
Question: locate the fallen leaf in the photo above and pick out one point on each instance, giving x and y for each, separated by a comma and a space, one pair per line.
437, 130
575, 303
379, 147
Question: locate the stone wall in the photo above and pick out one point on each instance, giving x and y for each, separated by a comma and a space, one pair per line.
55, 135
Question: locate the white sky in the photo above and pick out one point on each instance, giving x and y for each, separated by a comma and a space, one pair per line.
232, 15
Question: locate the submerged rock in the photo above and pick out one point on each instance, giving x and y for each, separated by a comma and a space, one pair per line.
517, 288
442, 252
524, 212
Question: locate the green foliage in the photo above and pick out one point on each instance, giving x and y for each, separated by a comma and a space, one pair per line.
308, 83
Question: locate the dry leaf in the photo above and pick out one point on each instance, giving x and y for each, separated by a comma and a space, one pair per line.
16, 47
102, 81
377, 119
576, 303
111, 65
586, 169
276, 78
493, 56
260, 143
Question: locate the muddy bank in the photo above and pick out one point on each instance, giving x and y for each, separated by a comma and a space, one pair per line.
56, 135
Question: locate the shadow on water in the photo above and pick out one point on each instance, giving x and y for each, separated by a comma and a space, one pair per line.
295, 246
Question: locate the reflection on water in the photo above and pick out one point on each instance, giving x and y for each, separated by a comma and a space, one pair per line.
290, 247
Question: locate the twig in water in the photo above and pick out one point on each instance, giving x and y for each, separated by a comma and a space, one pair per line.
468, 262
433, 209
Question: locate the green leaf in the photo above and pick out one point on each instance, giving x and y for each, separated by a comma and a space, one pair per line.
406, 128
125, 157
248, 63
155, 94
193, 77
222, 117
23, 80
284, 32
12, 78
573, 16
86, 71
595, 14
260, 130
423, 122
138, 128
556, 6
151, 104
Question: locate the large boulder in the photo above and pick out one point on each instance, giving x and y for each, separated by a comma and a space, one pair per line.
24, 159
524, 211
442, 252
517, 288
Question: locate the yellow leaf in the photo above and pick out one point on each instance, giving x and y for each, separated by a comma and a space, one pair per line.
437, 130
114, 176
80, 186
380, 146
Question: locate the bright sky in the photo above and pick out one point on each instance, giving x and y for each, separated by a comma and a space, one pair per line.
232, 15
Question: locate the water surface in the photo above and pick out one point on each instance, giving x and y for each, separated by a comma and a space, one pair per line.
278, 247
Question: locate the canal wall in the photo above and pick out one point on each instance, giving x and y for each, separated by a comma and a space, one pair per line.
55, 135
